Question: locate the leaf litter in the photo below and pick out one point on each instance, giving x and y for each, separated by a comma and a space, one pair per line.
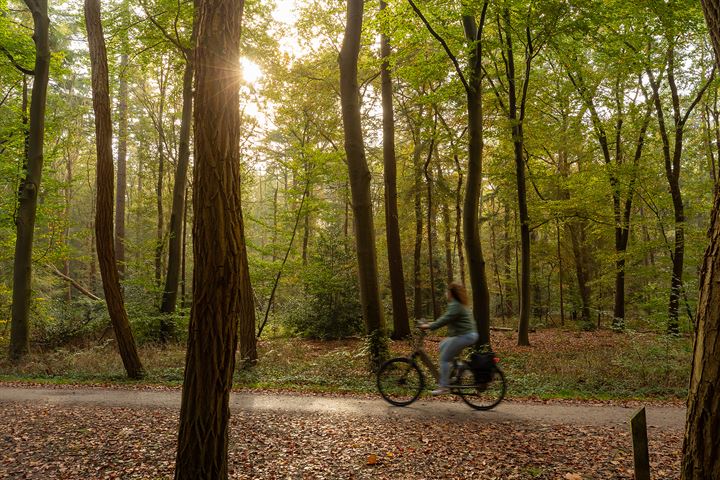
90, 442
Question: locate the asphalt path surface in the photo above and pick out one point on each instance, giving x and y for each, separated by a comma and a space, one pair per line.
664, 417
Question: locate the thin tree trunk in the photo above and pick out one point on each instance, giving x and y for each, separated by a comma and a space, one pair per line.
516, 126
121, 165
458, 220
560, 274
417, 254
159, 240
30, 185
446, 230
578, 246
672, 157
431, 222
183, 266
172, 279
360, 183
222, 295
104, 185
401, 325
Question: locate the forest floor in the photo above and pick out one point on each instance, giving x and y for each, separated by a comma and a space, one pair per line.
561, 363
71, 432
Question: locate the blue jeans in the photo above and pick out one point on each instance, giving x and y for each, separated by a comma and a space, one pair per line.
449, 348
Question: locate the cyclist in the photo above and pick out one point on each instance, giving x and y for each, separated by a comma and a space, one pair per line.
461, 332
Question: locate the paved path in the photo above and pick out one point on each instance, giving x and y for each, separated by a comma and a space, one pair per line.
514, 412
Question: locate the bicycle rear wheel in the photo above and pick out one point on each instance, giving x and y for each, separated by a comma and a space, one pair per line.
481, 396
400, 381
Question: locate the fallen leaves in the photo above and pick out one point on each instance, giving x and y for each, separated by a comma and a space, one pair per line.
73, 443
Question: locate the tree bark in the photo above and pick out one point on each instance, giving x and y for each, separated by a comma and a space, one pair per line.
30, 185
401, 325
360, 183
104, 183
222, 295
701, 448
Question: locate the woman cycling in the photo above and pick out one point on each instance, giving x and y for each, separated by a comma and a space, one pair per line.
461, 332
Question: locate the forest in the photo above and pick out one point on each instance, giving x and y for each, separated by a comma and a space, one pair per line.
226, 194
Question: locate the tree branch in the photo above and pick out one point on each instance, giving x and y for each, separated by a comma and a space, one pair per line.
443, 43
15, 63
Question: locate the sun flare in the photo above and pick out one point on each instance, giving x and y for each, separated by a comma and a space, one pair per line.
251, 71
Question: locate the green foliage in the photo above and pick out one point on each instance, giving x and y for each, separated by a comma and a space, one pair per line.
328, 305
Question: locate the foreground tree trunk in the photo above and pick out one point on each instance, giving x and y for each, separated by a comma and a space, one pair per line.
222, 296
30, 185
401, 325
701, 449
360, 183
104, 183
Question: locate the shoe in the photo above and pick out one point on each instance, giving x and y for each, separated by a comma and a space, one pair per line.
440, 391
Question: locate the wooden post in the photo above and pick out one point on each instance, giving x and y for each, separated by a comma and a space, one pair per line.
638, 424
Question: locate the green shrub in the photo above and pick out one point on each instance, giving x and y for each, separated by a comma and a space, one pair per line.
329, 305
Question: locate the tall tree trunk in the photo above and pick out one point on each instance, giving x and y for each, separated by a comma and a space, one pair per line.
471, 213
360, 183
577, 235
672, 157
121, 164
417, 254
183, 264
471, 227
172, 279
401, 325
66, 215
104, 185
446, 230
222, 295
431, 223
30, 185
701, 448
560, 274
516, 127
458, 220
159, 240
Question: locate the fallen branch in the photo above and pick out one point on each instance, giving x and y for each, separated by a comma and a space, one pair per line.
74, 283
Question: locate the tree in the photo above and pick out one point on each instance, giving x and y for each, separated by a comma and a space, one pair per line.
401, 326
702, 432
360, 183
473, 30
104, 237
222, 295
30, 185
673, 140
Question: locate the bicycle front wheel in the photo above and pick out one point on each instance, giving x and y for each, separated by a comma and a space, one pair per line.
400, 381
481, 396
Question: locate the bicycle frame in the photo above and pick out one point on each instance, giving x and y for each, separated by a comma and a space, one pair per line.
419, 352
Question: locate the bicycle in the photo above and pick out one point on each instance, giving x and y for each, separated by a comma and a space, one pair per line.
400, 380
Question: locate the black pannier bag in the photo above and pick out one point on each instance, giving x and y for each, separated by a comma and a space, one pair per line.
481, 365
